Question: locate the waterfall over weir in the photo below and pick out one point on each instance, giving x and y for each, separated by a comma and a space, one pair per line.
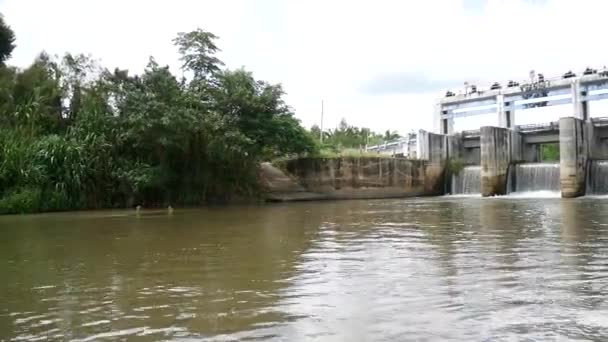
597, 183
467, 181
536, 177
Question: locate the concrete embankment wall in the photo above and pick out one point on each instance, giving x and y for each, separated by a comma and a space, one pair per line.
352, 178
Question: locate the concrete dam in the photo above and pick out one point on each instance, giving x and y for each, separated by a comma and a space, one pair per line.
508, 158
505, 159
489, 161
500, 161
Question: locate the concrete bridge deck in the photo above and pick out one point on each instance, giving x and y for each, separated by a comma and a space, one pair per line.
539, 91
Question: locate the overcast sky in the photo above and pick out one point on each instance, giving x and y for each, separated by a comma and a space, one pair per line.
381, 64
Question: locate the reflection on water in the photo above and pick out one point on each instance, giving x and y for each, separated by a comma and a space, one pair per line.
420, 269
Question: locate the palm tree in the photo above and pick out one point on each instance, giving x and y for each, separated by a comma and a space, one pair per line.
390, 136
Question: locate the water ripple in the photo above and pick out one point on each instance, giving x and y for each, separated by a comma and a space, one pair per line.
462, 269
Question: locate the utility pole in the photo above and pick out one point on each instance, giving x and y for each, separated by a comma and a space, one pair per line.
321, 130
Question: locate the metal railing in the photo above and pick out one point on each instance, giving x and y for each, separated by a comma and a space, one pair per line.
531, 128
405, 146
600, 122
529, 82
473, 133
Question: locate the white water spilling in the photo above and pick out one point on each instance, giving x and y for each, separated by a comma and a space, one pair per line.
467, 181
598, 178
537, 177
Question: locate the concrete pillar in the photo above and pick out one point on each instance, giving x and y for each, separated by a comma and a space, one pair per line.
500, 111
517, 146
446, 126
437, 118
580, 109
433, 148
422, 145
495, 159
506, 116
574, 152
455, 146
450, 125
594, 142
442, 125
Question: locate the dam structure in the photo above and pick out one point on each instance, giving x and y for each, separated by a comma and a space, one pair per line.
507, 158
510, 156
567, 157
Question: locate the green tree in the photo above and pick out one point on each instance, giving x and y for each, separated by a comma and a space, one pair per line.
74, 135
347, 136
550, 152
256, 108
36, 98
315, 131
391, 135
7, 41
198, 49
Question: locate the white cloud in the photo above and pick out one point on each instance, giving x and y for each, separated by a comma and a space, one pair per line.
331, 49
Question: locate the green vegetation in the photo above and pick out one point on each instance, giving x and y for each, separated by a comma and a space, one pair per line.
74, 135
454, 166
350, 140
550, 152
7, 41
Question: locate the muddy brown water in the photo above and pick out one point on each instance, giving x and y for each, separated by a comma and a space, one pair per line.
461, 269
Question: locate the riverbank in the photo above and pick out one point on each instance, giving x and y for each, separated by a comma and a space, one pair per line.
299, 179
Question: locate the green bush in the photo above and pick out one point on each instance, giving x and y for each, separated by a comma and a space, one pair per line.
455, 166
21, 201
56, 201
550, 152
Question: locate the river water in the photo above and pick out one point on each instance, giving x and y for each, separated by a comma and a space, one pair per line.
461, 269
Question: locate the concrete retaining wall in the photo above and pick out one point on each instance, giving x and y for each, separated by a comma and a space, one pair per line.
357, 177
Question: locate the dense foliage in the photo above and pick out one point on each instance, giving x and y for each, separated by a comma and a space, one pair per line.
550, 152
7, 41
75, 135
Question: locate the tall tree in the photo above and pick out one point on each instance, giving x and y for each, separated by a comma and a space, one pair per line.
257, 109
198, 49
74, 135
7, 41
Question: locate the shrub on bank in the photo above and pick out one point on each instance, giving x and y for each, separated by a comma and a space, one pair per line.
21, 201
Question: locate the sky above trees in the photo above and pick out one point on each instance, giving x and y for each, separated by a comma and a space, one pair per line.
380, 64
